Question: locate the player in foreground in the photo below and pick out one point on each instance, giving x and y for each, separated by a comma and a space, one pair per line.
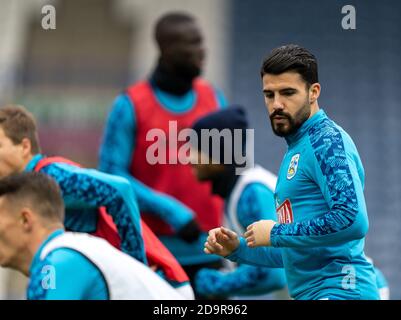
97, 203
64, 265
322, 217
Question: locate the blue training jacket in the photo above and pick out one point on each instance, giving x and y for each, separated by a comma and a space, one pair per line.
323, 218
85, 190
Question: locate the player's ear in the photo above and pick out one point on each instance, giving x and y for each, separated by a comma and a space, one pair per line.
26, 147
314, 92
26, 219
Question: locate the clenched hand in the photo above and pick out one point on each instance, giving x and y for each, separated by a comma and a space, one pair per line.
221, 241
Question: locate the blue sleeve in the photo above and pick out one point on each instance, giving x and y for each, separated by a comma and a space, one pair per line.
255, 203
335, 170
260, 256
115, 157
118, 141
243, 280
97, 189
221, 99
87, 283
167, 208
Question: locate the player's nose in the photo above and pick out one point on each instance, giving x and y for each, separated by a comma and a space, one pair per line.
277, 105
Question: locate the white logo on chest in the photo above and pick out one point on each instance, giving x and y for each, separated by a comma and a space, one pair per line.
293, 167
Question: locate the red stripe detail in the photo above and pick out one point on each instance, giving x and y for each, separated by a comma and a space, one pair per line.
44, 162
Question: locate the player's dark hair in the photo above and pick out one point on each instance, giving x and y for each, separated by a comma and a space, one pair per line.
35, 190
164, 28
17, 124
294, 58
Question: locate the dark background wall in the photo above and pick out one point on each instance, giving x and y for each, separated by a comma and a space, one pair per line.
361, 90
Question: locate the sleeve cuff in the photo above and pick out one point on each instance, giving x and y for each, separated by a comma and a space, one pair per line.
235, 255
274, 236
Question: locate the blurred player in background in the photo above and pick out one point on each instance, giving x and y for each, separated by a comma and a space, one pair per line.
172, 95
382, 285
97, 203
381, 282
64, 265
248, 197
322, 217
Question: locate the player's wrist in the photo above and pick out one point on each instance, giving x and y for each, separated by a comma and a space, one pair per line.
237, 250
274, 235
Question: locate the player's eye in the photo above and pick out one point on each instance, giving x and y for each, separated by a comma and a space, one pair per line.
288, 93
269, 95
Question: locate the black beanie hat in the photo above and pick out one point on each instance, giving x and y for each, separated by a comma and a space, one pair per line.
232, 117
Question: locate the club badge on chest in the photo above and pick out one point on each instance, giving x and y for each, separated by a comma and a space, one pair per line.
293, 167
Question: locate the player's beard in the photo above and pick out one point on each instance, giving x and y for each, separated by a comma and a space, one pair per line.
294, 122
187, 71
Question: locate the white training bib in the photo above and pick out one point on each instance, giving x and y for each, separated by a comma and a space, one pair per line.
126, 277
253, 175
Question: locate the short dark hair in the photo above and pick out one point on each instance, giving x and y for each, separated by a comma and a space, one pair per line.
291, 57
163, 28
17, 124
37, 190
